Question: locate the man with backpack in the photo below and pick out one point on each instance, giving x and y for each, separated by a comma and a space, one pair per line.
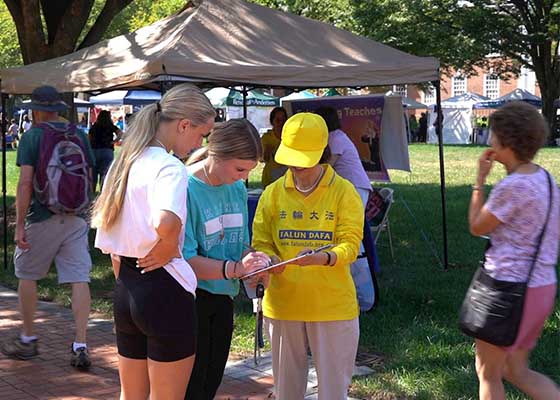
53, 197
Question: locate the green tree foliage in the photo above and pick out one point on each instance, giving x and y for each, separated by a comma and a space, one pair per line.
460, 33
141, 13
336, 12
115, 21
10, 54
463, 33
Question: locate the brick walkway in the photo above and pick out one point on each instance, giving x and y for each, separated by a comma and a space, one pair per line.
49, 376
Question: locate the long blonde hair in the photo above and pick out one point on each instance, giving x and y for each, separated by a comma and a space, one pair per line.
236, 138
181, 102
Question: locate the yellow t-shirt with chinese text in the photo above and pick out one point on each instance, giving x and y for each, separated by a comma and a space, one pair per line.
287, 222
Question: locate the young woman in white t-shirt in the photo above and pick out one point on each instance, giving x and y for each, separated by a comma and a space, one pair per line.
140, 217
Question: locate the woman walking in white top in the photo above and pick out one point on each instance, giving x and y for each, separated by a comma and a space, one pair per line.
140, 217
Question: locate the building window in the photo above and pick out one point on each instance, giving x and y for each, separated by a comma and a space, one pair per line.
429, 95
459, 85
491, 86
400, 90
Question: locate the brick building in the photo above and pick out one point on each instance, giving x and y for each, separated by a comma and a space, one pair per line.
483, 83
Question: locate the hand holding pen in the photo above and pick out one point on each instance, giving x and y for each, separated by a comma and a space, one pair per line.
253, 261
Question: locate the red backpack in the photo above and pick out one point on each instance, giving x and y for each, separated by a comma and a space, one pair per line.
62, 180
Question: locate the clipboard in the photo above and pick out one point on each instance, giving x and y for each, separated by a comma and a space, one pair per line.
290, 261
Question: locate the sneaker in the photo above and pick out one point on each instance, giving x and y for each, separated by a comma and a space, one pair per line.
22, 351
80, 359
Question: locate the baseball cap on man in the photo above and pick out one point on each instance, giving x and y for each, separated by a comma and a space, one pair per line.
304, 138
47, 98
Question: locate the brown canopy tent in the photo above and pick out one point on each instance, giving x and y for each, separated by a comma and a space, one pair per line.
229, 43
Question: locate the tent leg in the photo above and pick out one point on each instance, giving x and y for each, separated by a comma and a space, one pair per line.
244, 102
4, 194
439, 127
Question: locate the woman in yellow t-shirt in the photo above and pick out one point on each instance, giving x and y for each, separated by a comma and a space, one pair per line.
270, 142
312, 301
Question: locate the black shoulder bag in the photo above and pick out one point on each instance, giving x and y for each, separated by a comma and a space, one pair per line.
492, 309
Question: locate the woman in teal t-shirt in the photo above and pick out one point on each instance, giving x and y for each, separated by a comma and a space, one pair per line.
216, 243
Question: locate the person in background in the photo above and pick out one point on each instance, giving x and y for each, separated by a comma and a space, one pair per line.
140, 217
346, 162
13, 133
413, 126
513, 217
120, 123
312, 302
26, 123
43, 236
270, 142
102, 135
216, 243
422, 128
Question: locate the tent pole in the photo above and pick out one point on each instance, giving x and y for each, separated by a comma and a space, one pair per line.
4, 200
439, 127
73, 110
244, 102
244, 92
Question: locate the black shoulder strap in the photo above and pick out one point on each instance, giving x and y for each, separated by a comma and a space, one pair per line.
539, 242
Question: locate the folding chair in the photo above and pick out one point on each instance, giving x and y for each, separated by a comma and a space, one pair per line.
384, 225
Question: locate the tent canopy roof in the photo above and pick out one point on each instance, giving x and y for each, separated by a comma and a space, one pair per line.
132, 97
515, 95
303, 94
222, 97
224, 43
77, 102
465, 100
254, 98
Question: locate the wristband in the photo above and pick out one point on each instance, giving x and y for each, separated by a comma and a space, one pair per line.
224, 267
475, 188
328, 258
235, 269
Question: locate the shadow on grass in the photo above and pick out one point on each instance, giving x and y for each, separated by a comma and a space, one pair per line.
415, 324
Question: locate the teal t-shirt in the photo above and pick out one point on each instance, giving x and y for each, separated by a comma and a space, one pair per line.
217, 227
28, 154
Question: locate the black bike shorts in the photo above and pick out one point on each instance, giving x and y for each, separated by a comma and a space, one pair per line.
155, 317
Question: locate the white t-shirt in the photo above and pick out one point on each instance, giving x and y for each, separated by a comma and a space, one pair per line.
157, 181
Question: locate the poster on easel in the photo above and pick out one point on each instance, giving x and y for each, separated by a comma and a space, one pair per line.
361, 118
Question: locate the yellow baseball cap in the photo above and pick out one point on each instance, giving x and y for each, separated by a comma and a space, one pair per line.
304, 138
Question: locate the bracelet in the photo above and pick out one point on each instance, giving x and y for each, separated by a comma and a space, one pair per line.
475, 188
224, 267
235, 269
328, 258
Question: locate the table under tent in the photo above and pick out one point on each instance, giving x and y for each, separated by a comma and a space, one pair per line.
229, 43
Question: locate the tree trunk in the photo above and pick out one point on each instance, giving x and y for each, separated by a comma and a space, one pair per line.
549, 94
64, 20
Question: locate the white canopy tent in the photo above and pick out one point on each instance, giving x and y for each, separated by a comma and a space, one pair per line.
229, 43
457, 119
304, 94
256, 112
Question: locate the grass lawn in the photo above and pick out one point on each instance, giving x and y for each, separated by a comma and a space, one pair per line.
414, 328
